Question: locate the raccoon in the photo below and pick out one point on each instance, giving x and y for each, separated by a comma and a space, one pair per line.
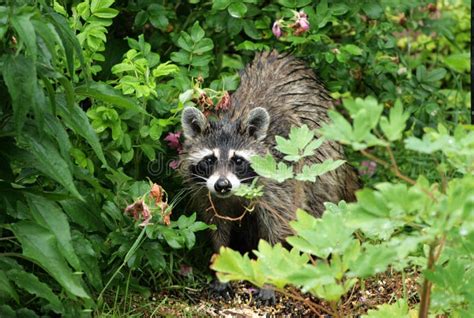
276, 92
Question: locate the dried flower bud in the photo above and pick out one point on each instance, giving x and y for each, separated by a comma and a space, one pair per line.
224, 103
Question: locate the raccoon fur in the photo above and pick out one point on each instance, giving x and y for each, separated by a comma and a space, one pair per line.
276, 92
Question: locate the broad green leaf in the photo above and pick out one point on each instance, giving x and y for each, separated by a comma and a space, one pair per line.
106, 93
34, 286
287, 147
203, 46
339, 129
77, 120
89, 259
6, 288
267, 167
399, 309
374, 259
197, 33
165, 69
237, 9
220, 4
49, 161
310, 173
352, 49
333, 236
460, 62
231, 265
40, 245
70, 42
393, 129
21, 22
435, 75
19, 73
48, 214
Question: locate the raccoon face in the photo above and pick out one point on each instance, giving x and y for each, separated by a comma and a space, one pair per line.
217, 153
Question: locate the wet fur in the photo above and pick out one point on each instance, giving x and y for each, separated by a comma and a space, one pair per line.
293, 96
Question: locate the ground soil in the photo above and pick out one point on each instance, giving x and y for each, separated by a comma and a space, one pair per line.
384, 288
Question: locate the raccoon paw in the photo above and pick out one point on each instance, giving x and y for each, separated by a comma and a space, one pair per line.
221, 289
265, 296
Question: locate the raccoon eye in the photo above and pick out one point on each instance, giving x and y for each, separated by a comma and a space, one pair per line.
210, 160
238, 160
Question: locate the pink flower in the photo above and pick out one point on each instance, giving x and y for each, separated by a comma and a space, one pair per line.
174, 164
173, 141
276, 29
367, 168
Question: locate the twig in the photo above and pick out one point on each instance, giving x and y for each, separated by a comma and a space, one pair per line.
394, 168
228, 218
313, 306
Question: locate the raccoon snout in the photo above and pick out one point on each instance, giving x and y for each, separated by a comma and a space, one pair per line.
222, 185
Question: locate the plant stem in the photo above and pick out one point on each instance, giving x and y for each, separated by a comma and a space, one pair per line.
394, 168
435, 251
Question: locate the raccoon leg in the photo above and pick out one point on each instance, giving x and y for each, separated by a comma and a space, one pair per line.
221, 237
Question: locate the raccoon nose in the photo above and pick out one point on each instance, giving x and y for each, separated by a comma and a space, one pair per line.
222, 185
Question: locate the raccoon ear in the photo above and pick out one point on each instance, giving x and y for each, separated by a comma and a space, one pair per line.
193, 122
257, 123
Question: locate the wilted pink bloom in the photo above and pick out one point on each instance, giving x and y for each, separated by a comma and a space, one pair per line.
367, 168
174, 164
173, 140
137, 208
302, 24
276, 29
224, 103
146, 214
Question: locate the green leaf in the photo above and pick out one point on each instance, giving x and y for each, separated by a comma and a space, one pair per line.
267, 167
399, 309
435, 75
394, 128
49, 161
23, 26
197, 33
237, 9
49, 215
41, 246
165, 69
230, 265
310, 173
372, 8
89, 259
203, 46
339, 130
19, 73
77, 120
6, 289
220, 4
34, 286
373, 260
333, 236
460, 62
352, 49
107, 94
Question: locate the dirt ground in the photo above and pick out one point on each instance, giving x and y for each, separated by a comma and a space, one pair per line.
385, 288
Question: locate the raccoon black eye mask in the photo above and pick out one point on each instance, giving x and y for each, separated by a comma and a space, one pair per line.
224, 167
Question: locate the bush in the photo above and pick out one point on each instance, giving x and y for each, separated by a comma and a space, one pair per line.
91, 96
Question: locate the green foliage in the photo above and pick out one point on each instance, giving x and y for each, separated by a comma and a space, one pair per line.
300, 144
89, 89
394, 223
